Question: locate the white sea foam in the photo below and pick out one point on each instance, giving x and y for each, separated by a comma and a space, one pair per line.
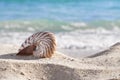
78, 24
88, 39
30, 29
66, 27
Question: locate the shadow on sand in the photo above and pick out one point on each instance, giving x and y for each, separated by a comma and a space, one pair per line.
15, 57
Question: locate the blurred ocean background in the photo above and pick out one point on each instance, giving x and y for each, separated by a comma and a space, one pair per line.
81, 26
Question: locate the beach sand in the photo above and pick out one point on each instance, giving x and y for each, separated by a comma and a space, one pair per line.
104, 65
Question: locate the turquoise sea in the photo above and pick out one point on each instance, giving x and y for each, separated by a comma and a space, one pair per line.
79, 25
60, 10
54, 15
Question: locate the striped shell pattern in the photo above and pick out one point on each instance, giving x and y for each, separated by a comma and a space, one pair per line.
40, 44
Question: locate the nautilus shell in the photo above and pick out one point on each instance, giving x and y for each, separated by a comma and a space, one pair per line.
40, 44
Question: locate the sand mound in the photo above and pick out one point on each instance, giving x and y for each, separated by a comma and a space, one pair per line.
59, 67
108, 57
112, 51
